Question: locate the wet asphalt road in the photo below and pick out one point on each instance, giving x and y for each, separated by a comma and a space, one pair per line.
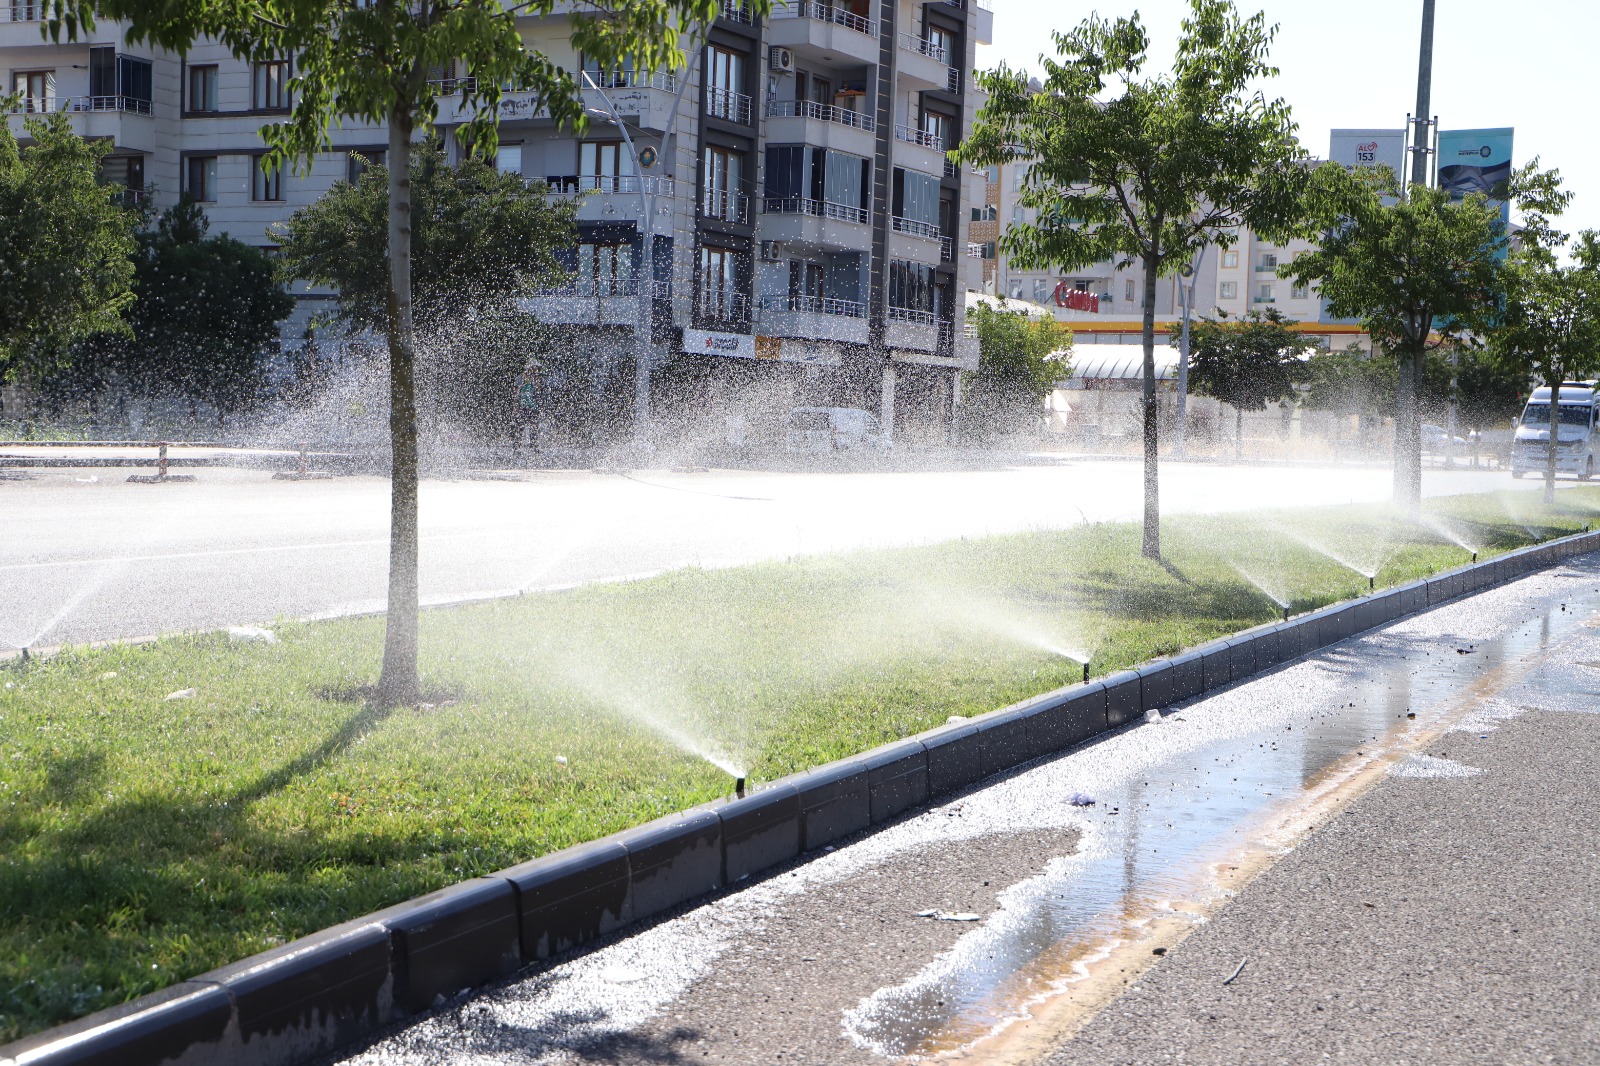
1442, 909
86, 556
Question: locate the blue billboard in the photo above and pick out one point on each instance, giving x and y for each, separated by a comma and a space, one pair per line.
1475, 161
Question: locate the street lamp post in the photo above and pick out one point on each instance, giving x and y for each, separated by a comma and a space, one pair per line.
1192, 273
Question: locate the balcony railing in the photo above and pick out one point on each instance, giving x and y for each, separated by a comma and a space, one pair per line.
912, 315
23, 12
722, 305
603, 287
726, 206
800, 205
631, 79
952, 80
814, 305
1266, 268
826, 13
821, 112
734, 11
606, 185
916, 229
727, 104
915, 136
974, 250
1265, 300
451, 86
39, 105
920, 45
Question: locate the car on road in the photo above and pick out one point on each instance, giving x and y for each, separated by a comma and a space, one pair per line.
823, 430
1575, 431
1435, 439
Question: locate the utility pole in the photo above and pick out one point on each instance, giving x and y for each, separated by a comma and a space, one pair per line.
1408, 409
1419, 130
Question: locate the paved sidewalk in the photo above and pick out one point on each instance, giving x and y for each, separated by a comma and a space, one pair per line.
1450, 919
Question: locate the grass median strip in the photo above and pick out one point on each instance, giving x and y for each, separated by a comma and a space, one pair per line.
149, 832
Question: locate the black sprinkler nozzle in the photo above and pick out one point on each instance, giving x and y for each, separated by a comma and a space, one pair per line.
738, 787
1085, 673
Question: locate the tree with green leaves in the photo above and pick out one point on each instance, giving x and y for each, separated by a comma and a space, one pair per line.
1247, 363
370, 62
1020, 359
1356, 382
66, 248
1489, 392
1172, 164
1548, 327
1416, 272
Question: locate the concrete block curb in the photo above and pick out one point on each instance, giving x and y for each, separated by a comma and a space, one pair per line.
302, 1001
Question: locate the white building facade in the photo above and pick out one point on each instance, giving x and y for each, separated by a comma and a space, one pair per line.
809, 236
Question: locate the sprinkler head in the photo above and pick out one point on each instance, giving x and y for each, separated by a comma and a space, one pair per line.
24, 654
1085, 673
738, 787
1372, 582
1286, 614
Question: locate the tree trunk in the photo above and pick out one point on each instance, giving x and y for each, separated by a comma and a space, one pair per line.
1408, 430
1238, 433
398, 684
1152, 480
1552, 444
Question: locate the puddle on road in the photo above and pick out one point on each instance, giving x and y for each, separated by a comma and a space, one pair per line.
1155, 845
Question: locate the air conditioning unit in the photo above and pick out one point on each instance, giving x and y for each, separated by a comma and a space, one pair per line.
782, 60
771, 251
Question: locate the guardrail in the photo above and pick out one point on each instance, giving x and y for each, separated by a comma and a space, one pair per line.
843, 116
800, 205
912, 135
826, 13
814, 305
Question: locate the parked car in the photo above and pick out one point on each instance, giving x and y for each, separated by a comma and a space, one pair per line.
821, 430
1435, 439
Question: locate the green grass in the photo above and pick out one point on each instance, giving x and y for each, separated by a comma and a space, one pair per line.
143, 840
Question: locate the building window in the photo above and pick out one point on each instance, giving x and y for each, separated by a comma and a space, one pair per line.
602, 165
725, 96
266, 186
1016, 290
724, 173
203, 88
1128, 291
911, 288
119, 82
36, 89
988, 250
1228, 290
508, 158
1265, 294
937, 128
720, 297
1230, 260
1268, 261
940, 43
1042, 290
605, 268
358, 162
1299, 292
271, 86
200, 178
1018, 214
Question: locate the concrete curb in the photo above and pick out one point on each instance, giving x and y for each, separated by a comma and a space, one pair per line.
311, 997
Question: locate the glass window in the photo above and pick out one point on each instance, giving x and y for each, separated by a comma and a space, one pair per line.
602, 163
134, 79
203, 88
271, 86
200, 178
103, 70
1269, 261
844, 177
358, 163
605, 268
937, 126
1265, 294
266, 185
1570, 414
508, 158
1041, 290
911, 286
1228, 290
916, 196
720, 297
786, 171
36, 89
1230, 260
1299, 292
725, 85
723, 177
940, 43
1128, 294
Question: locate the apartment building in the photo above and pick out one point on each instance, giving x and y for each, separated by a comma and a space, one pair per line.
809, 238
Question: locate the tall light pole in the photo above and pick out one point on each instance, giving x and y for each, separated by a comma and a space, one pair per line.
1420, 124
1408, 409
1192, 273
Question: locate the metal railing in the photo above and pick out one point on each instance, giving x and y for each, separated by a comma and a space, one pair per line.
1266, 268
912, 315
1265, 300
727, 104
633, 79
23, 12
37, 105
922, 46
800, 205
814, 305
734, 11
821, 112
913, 135
952, 79
602, 287
451, 86
916, 229
726, 206
826, 13
607, 185
947, 250
722, 305
974, 250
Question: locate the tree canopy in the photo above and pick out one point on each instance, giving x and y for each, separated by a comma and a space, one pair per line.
1131, 168
66, 248
1247, 363
1414, 271
479, 238
1020, 360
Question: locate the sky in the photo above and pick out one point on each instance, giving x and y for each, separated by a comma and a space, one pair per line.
1352, 64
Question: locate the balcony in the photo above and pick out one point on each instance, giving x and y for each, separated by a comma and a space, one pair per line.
607, 185
1266, 268
918, 150
925, 63
821, 126
800, 205
912, 329
734, 11
724, 306
593, 301
912, 315
917, 229
724, 206
821, 30
728, 105
124, 121
974, 250
814, 318
809, 109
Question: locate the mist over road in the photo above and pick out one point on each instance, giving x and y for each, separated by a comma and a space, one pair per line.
86, 556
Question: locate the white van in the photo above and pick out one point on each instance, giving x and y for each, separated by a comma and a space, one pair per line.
819, 430
1575, 429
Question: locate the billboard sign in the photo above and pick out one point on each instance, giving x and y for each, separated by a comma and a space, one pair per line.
1369, 148
1475, 161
